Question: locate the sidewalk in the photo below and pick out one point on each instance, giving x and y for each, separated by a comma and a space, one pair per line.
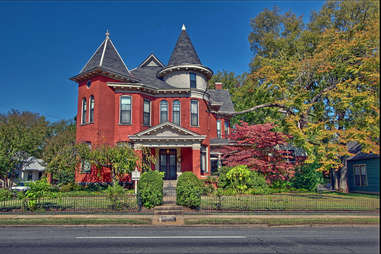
210, 219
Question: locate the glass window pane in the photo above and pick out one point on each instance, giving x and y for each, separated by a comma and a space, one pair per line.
146, 106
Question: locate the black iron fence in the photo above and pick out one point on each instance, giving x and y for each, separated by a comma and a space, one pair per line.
289, 202
74, 204
209, 204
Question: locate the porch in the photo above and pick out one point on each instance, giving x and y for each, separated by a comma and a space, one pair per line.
175, 149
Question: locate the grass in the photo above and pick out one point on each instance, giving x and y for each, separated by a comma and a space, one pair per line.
74, 203
292, 201
281, 201
281, 221
72, 221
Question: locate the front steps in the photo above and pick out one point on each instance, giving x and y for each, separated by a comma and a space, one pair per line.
169, 213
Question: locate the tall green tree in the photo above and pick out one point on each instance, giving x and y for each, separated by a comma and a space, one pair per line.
119, 159
60, 153
22, 135
320, 80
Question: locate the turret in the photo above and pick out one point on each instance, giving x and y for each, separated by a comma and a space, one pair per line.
184, 69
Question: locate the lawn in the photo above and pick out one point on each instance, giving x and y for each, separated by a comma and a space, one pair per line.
281, 201
74, 203
292, 201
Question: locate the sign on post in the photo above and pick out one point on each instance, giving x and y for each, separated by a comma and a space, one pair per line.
135, 176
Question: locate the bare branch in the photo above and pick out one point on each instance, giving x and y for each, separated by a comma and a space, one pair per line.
266, 105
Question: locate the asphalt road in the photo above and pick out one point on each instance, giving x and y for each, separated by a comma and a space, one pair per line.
98, 239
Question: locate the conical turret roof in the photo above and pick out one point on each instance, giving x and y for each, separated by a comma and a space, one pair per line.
108, 58
184, 52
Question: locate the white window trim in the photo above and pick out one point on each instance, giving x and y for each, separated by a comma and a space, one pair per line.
83, 118
160, 111
150, 111
173, 103
198, 114
120, 109
90, 108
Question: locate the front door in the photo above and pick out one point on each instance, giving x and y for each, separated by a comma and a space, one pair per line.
168, 163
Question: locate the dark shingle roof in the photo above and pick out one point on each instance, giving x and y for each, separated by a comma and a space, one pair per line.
147, 75
111, 59
219, 141
364, 156
224, 97
184, 52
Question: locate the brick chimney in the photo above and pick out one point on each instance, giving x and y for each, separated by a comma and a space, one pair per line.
218, 85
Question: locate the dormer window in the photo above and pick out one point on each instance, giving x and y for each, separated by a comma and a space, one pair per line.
192, 77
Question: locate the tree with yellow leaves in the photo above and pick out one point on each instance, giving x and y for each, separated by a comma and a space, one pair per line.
321, 78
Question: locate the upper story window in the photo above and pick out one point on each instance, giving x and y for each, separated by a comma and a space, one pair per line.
192, 77
88, 83
147, 113
125, 110
92, 105
176, 112
84, 111
163, 111
194, 112
218, 128
360, 175
226, 128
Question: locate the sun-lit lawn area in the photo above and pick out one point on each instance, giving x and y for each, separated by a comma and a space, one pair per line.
76, 203
292, 201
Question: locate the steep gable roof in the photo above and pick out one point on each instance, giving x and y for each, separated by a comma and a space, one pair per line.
107, 57
184, 52
222, 96
151, 61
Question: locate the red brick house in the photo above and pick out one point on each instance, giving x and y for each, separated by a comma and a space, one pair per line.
164, 107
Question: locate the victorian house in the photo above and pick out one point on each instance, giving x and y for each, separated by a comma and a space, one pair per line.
167, 108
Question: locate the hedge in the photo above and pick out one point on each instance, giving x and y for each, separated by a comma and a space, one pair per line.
188, 190
150, 189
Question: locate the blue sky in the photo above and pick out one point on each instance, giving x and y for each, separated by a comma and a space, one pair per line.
44, 43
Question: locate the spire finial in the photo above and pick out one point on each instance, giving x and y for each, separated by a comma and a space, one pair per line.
183, 27
107, 34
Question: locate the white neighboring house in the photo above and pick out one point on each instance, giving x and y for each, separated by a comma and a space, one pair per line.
32, 171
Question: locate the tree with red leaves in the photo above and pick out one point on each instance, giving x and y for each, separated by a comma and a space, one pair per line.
259, 147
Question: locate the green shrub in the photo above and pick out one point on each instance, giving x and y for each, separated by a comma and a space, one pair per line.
115, 195
66, 187
239, 178
207, 189
38, 190
281, 186
306, 177
150, 189
188, 190
229, 192
222, 180
5, 194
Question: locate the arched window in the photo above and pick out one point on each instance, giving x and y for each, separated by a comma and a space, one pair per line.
92, 105
163, 111
176, 112
84, 110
